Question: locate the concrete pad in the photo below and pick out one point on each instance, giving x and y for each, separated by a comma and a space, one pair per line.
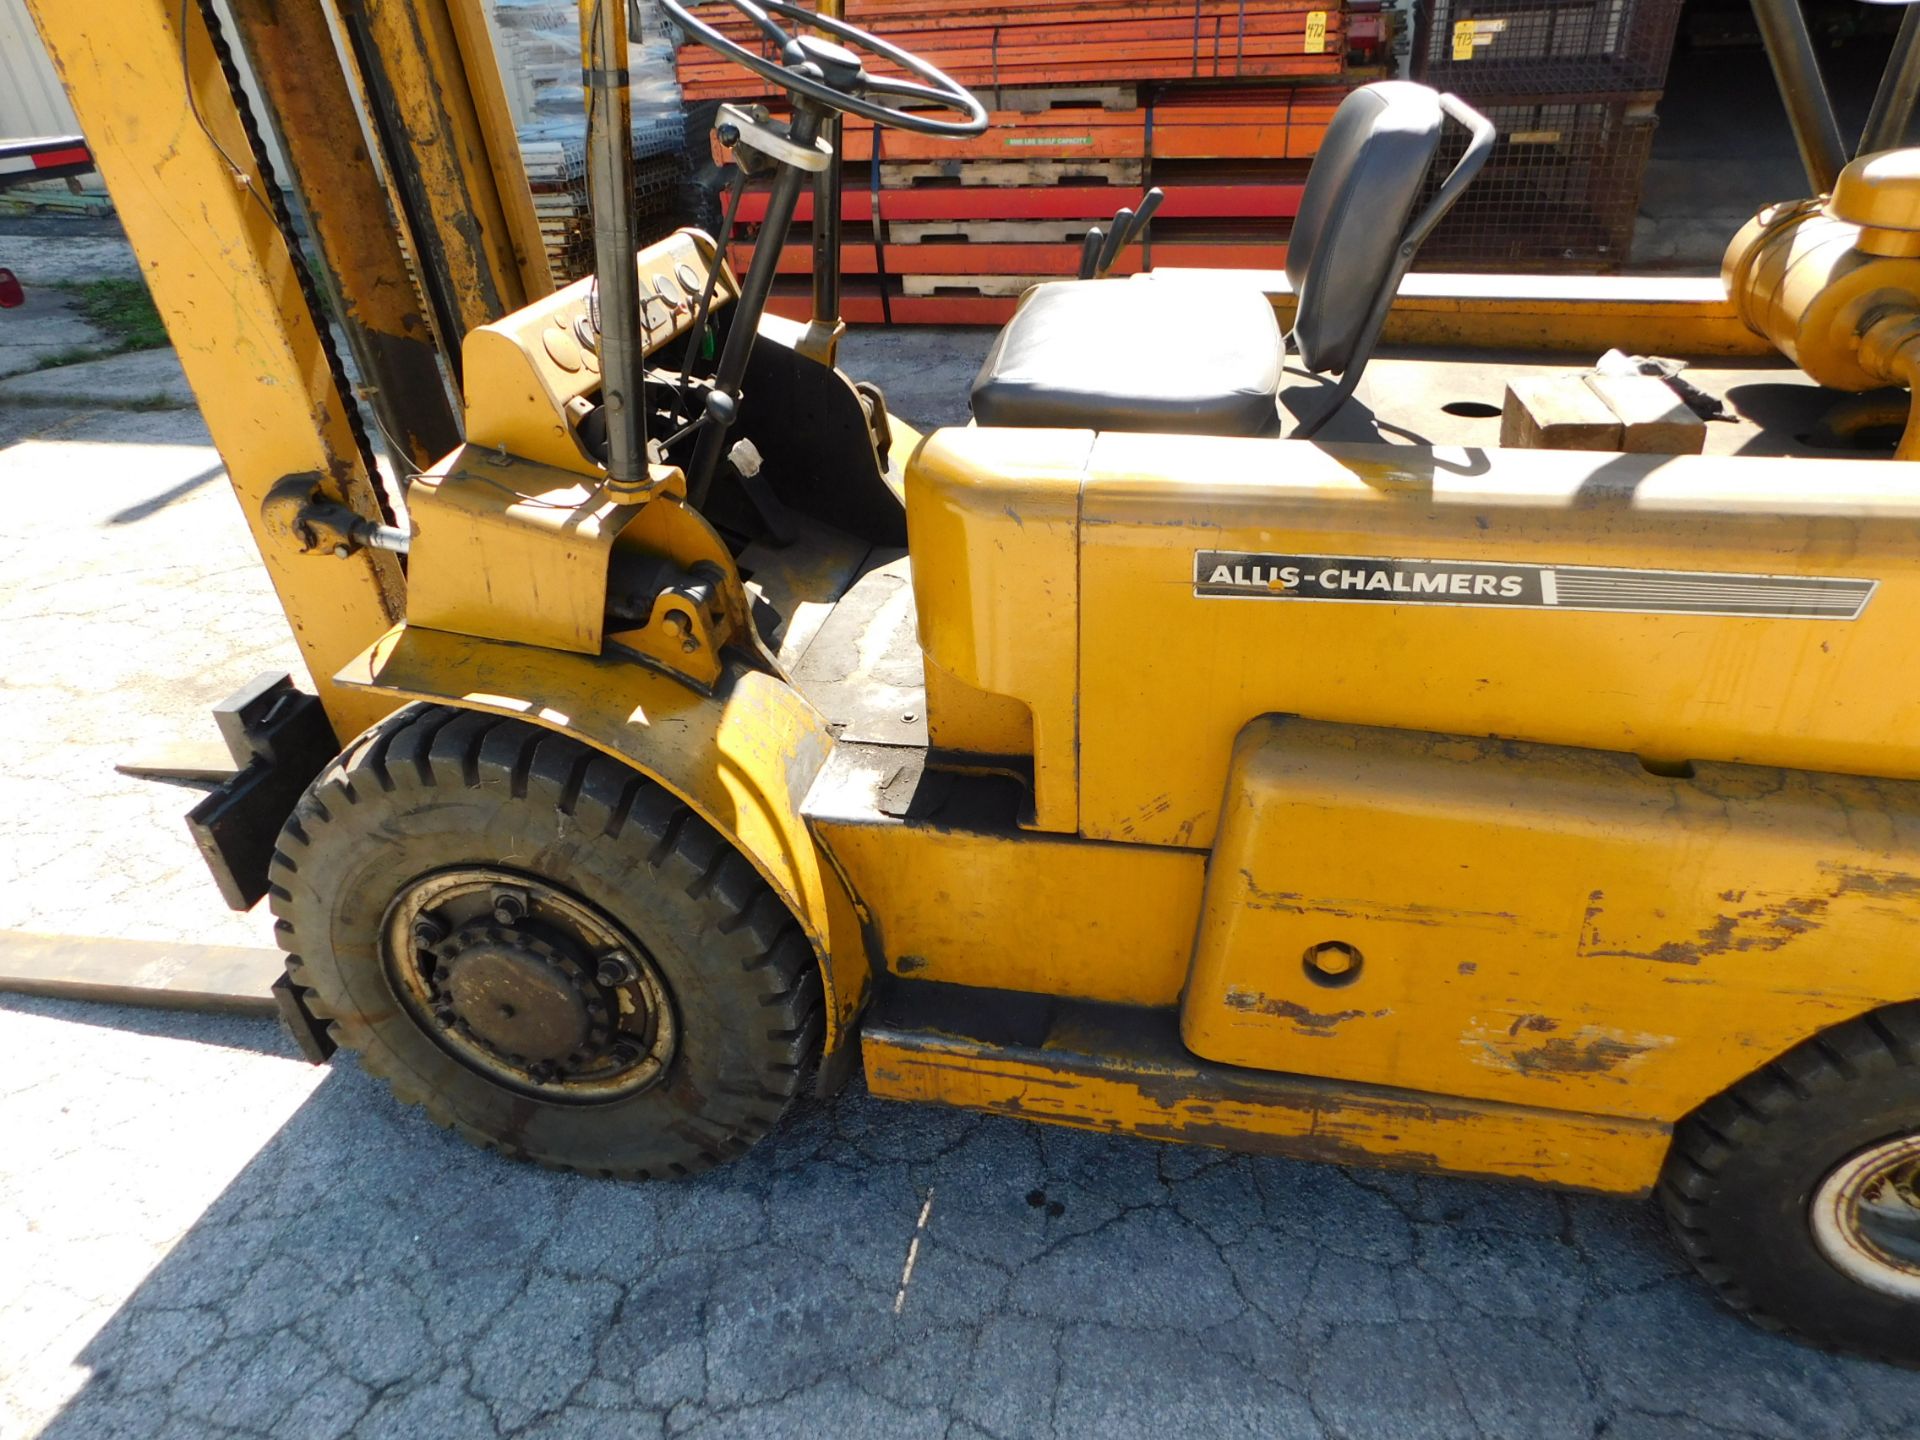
42, 251
48, 325
138, 380
132, 601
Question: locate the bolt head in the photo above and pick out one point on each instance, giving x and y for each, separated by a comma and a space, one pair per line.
508, 908
444, 1015
1332, 962
616, 969
625, 1053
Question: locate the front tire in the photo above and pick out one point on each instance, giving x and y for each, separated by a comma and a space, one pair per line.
1796, 1193
546, 950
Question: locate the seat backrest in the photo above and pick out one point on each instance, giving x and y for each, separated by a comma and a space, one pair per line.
1369, 172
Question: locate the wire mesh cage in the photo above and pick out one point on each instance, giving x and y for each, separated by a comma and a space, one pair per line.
1546, 47
541, 63
1561, 189
557, 175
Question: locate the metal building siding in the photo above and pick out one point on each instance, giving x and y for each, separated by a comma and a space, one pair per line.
31, 100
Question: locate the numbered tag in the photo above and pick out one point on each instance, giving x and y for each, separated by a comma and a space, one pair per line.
1316, 43
1463, 39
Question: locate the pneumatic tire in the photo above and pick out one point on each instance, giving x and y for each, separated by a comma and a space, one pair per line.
1796, 1193
545, 859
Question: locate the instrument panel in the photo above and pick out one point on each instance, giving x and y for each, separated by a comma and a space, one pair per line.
530, 377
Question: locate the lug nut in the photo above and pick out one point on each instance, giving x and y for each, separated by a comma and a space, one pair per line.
445, 1015
427, 930
545, 1072
509, 908
616, 969
625, 1053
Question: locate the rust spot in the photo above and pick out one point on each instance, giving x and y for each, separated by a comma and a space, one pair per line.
1760, 928
907, 964
1874, 882
1293, 902
1307, 1022
1568, 1055
1538, 1024
1468, 967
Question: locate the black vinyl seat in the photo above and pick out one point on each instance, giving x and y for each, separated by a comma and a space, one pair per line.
1204, 356
1201, 359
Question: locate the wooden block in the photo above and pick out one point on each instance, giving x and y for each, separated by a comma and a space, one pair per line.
1557, 412
1653, 420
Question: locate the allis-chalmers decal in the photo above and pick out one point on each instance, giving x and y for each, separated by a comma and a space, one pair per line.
1394, 580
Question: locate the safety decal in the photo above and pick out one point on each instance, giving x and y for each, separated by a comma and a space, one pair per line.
1396, 580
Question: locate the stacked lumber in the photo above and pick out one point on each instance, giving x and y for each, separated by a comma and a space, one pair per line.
1221, 103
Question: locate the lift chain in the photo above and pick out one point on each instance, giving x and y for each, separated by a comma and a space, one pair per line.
276, 204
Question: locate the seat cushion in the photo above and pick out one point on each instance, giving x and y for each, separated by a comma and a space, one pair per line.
1201, 359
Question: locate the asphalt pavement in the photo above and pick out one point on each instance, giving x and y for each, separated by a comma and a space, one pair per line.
208, 1237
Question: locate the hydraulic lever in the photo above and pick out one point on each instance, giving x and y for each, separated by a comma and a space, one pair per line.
1100, 250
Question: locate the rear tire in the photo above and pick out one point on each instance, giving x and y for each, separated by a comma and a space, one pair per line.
432, 794
1762, 1188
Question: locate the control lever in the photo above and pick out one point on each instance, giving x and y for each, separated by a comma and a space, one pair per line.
1090, 253
1128, 226
1116, 240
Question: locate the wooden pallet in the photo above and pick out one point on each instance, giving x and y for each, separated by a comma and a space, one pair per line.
989, 232
866, 309
1278, 122
1278, 200
1040, 99
912, 262
1009, 174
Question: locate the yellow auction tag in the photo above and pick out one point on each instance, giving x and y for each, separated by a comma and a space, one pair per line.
1463, 33
1316, 32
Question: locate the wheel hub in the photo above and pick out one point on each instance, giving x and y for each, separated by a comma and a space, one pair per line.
524, 997
1866, 1217
528, 984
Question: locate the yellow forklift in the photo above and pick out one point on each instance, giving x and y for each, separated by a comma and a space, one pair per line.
689, 729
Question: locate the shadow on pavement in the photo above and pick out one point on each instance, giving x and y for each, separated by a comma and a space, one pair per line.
368, 1274
231, 1032
166, 497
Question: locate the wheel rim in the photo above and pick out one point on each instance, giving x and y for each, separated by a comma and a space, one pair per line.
528, 985
1866, 1217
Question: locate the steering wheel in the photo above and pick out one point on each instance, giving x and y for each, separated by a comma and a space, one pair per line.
832, 75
